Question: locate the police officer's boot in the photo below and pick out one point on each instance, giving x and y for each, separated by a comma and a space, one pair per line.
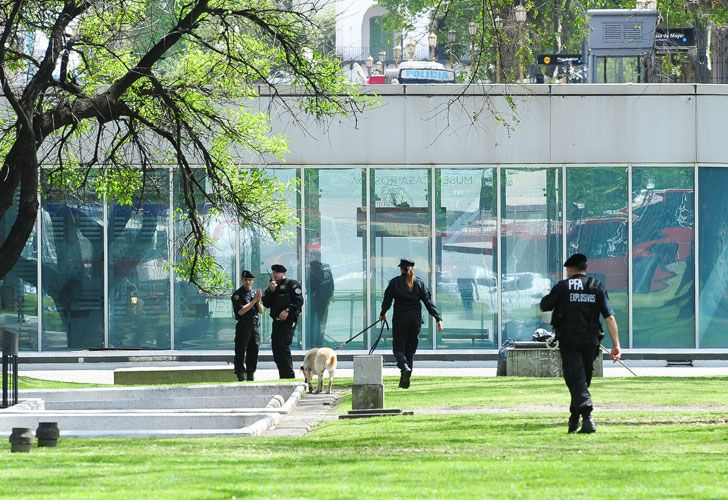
404, 377
573, 423
588, 426
241, 376
249, 376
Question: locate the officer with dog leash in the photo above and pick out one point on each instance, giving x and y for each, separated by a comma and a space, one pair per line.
247, 309
576, 303
408, 293
284, 298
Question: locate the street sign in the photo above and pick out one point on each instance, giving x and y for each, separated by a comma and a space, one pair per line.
559, 59
675, 37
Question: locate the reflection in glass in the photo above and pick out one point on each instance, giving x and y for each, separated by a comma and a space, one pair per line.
335, 263
205, 321
597, 222
531, 246
618, 70
73, 275
258, 252
466, 250
713, 257
138, 280
663, 257
19, 287
401, 226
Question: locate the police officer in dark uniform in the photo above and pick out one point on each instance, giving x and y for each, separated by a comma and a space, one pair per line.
576, 303
284, 298
408, 292
247, 309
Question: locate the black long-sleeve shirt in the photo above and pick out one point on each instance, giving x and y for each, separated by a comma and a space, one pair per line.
406, 302
577, 303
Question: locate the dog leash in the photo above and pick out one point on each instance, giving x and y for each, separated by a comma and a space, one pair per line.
364, 330
381, 332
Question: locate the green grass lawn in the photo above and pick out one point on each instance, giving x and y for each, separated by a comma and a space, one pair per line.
644, 448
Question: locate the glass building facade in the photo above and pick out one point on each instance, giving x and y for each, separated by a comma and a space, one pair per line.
488, 239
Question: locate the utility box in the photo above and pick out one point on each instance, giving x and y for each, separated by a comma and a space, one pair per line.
620, 33
534, 359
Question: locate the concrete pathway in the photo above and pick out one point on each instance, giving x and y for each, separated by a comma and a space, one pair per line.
310, 412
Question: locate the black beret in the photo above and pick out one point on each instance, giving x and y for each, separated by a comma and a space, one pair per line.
406, 262
278, 268
575, 260
248, 274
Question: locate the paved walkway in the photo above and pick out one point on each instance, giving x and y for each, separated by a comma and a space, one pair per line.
103, 373
310, 412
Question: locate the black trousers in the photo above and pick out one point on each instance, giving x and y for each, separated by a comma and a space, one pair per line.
281, 338
577, 362
405, 337
247, 345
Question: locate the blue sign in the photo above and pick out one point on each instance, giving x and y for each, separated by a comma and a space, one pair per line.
426, 76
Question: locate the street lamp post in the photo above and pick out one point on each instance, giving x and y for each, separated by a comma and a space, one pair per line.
472, 31
383, 59
369, 61
432, 41
498, 25
411, 50
451, 36
520, 22
397, 54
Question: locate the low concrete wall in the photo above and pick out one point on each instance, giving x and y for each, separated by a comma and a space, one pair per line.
540, 362
173, 375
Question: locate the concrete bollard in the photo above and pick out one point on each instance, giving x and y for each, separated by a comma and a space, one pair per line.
21, 439
367, 392
47, 433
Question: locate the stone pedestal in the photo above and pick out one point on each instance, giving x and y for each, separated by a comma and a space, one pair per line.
367, 392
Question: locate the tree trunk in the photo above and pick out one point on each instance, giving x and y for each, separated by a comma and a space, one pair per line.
22, 163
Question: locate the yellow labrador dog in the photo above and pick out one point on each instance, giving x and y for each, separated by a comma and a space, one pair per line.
314, 363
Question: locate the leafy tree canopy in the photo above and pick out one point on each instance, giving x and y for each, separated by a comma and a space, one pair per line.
126, 85
551, 26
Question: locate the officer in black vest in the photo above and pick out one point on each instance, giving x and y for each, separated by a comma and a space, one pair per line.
408, 293
576, 303
284, 298
247, 309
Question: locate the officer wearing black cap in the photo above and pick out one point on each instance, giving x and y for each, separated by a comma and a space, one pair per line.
284, 298
408, 293
576, 303
247, 309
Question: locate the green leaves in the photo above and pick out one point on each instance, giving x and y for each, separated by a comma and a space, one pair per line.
132, 85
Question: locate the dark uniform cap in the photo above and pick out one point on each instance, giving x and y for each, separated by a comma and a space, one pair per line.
278, 268
248, 274
575, 260
405, 262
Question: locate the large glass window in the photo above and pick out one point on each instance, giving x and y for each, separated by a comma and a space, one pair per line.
19, 288
335, 257
466, 255
73, 270
713, 257
258, 252
139, 313
663, 263
597, 222
204, 321
530, 245
401, 226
